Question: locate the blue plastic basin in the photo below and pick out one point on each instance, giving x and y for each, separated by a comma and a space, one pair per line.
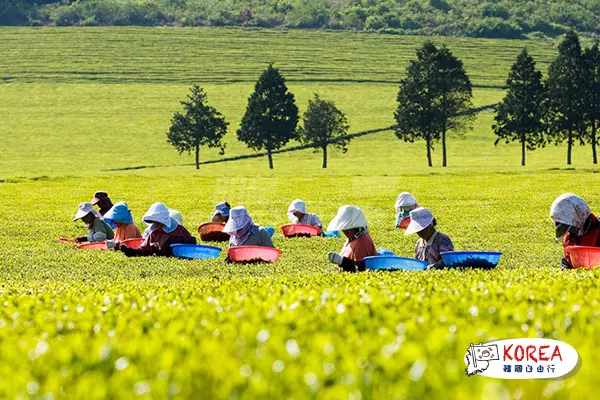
391, 263
471, 259
195, 251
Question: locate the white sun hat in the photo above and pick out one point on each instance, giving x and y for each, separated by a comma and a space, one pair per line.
158, 212
348, 217
296, 206
84, 209
420, 218
405, 199
238, 219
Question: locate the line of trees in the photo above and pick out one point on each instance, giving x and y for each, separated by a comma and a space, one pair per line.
434, 102
565, 107
474, 18
269, 123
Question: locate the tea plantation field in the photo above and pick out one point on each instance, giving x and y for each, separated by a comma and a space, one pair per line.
81, 107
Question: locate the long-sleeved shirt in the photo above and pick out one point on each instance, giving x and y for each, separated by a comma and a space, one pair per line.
355, 250
126, 231
430, 251
159, 242
100, 231
310, 219
258, 237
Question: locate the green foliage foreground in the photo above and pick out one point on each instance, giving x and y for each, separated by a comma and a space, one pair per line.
94, 325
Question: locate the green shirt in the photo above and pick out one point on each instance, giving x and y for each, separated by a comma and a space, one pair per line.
100, 231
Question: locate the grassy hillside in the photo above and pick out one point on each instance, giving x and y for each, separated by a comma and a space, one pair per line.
70, 91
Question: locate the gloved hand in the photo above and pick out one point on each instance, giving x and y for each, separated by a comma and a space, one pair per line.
128, 251
81, 239
564, 264
429, 267
335, 258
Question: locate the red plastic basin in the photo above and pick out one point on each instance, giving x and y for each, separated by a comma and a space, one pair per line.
213, 232
583, 256
300, 230
241, 254
133, 243
93, 246
404, 223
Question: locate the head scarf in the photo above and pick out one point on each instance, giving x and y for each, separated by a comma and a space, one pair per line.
296, 206
85, 209
570, 209
239, 226
348, 217
158, 212
405, 199
120, 213
177, 215
420, 219
222, 209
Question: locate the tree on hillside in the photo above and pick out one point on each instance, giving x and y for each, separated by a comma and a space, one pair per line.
592, 98
520, 115
199, 125
271, 115
433, 99
566, 93
324, 125
454, 96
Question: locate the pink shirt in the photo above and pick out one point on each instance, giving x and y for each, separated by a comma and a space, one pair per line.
359, 248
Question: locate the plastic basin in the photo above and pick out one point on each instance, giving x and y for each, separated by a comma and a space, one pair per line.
93, 246
404, 223
471, 259
392, 263
295, 230
213, 232
248, 254
583, 256
133, 243
196, 251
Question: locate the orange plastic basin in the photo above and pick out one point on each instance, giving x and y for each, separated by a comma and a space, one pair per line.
213, 232
404, 223
241, 254
133, 243
299, 230
583, 256
93, 246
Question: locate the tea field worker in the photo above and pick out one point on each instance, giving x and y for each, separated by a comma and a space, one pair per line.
165, 230
173, 213
221, 213
404, 205
575, 223
432, 242
298, 215
98, 229
351, 221
244, 232
103, 202
119, 218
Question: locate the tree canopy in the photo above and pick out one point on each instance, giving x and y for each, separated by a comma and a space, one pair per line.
474, 18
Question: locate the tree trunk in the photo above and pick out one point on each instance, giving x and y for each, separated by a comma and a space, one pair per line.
324, 156
197, 156
594, 141
270, 158
522, 149
444, 146
428, 141
569, 145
